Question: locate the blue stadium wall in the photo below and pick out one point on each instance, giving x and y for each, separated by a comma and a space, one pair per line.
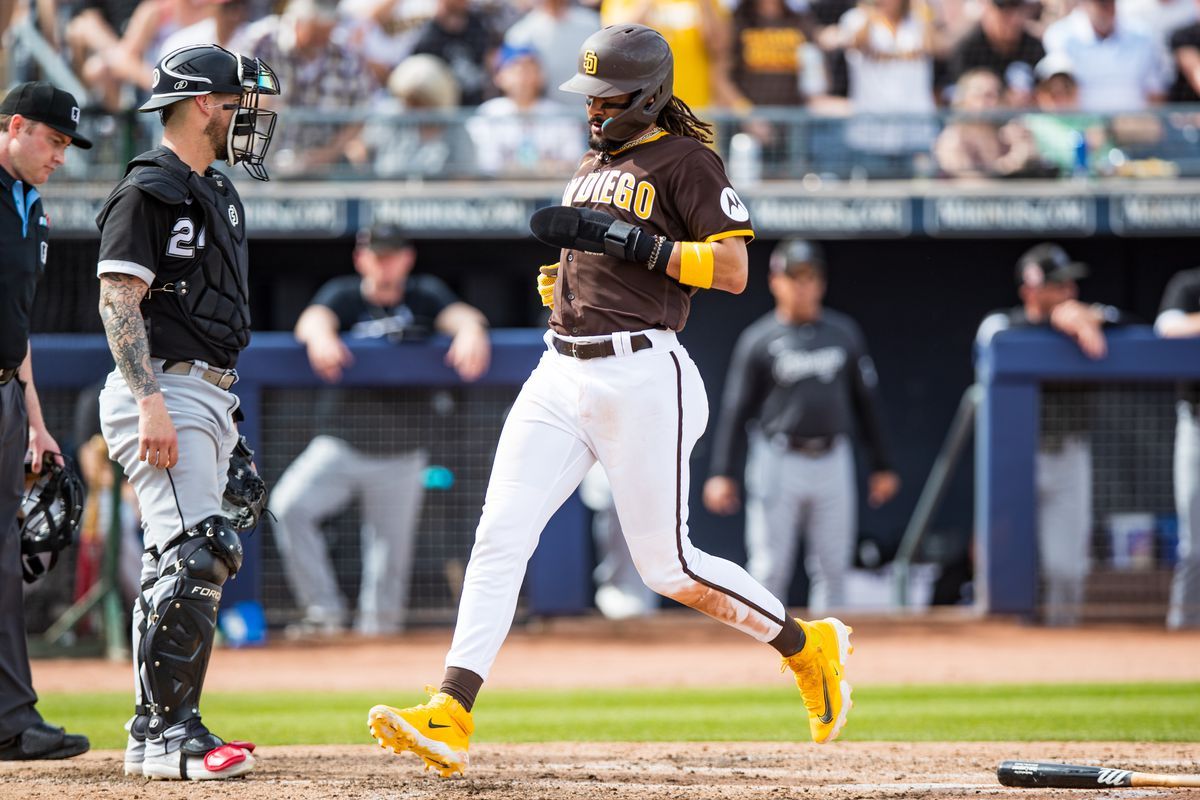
918, 291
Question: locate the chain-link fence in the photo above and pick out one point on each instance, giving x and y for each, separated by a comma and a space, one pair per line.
1118, 440
456, 428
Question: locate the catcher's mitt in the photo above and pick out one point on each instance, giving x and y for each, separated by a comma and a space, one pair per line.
245, 492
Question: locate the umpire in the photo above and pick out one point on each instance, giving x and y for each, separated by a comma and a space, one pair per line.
37, 125
799, 381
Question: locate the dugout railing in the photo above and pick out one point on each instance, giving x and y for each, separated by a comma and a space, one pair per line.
405, 384
1125, 404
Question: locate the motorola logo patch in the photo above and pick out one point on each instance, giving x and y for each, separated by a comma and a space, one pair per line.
733, 206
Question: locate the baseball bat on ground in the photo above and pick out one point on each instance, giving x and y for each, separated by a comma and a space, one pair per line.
1041, 774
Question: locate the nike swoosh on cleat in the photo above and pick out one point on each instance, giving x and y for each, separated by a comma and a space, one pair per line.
827, 717
433, 725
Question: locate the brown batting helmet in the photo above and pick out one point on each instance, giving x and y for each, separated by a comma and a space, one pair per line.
626, 59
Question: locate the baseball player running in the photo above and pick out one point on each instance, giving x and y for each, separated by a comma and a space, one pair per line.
173, 298
647, 220
803, 376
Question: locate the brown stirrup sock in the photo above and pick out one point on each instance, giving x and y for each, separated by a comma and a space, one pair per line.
790, 640
464, 685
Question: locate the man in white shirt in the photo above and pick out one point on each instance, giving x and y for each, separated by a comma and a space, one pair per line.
1119, 64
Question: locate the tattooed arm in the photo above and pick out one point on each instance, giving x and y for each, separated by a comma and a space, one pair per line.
120, 310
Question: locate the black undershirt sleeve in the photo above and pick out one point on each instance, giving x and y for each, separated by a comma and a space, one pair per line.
745, 388
864, 390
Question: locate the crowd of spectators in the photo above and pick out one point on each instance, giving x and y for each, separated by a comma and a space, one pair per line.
879, 70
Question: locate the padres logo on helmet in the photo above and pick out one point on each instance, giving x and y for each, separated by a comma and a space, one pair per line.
626, 59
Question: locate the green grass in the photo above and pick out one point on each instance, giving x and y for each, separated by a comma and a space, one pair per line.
1163, 712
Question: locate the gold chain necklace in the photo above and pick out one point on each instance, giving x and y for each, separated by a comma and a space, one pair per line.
650, 134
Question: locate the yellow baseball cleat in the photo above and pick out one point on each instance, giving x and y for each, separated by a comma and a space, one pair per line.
438, 731
821, 676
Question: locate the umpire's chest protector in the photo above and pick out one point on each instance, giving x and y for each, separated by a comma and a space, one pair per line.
210, 289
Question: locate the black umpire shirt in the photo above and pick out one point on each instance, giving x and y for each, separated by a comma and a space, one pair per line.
381, 421
803, 382
1182, 296
24, 231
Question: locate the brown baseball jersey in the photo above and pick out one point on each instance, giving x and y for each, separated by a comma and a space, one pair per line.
668, 185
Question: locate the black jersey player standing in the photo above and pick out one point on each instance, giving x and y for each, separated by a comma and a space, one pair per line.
173, 297
800, 383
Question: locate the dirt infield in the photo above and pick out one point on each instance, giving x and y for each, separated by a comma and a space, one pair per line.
670, 650
699, 771
684, 649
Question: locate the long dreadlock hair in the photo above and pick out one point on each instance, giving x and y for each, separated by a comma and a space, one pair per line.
680, 120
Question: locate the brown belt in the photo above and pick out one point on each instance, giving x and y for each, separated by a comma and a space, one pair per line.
221, 378
601, 349
7, 375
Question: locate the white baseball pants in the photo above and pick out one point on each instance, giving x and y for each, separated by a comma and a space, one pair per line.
638, 414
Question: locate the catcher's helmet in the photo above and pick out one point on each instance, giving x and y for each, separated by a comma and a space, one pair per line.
624, 59
49, 515
790, 254
207, 69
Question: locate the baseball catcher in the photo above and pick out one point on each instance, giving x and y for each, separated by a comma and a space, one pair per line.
173, 298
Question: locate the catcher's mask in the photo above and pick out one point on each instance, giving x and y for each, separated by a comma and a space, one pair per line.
49, 515
626, 59
207, 69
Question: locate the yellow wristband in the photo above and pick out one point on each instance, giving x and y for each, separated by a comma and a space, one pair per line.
696, 264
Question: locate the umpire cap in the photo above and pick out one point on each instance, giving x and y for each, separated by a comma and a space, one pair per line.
42, 101
626, 59
791, 254
1047, 263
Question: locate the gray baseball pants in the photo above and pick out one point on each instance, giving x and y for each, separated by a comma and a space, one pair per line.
17, 697
323, 480
1184, 610
173, 500
790, 495
1064, 515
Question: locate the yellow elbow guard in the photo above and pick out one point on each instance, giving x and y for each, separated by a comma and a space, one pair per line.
547, 277
696, 264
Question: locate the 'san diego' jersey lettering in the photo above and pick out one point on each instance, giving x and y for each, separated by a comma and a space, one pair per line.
670, 186
612, 187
